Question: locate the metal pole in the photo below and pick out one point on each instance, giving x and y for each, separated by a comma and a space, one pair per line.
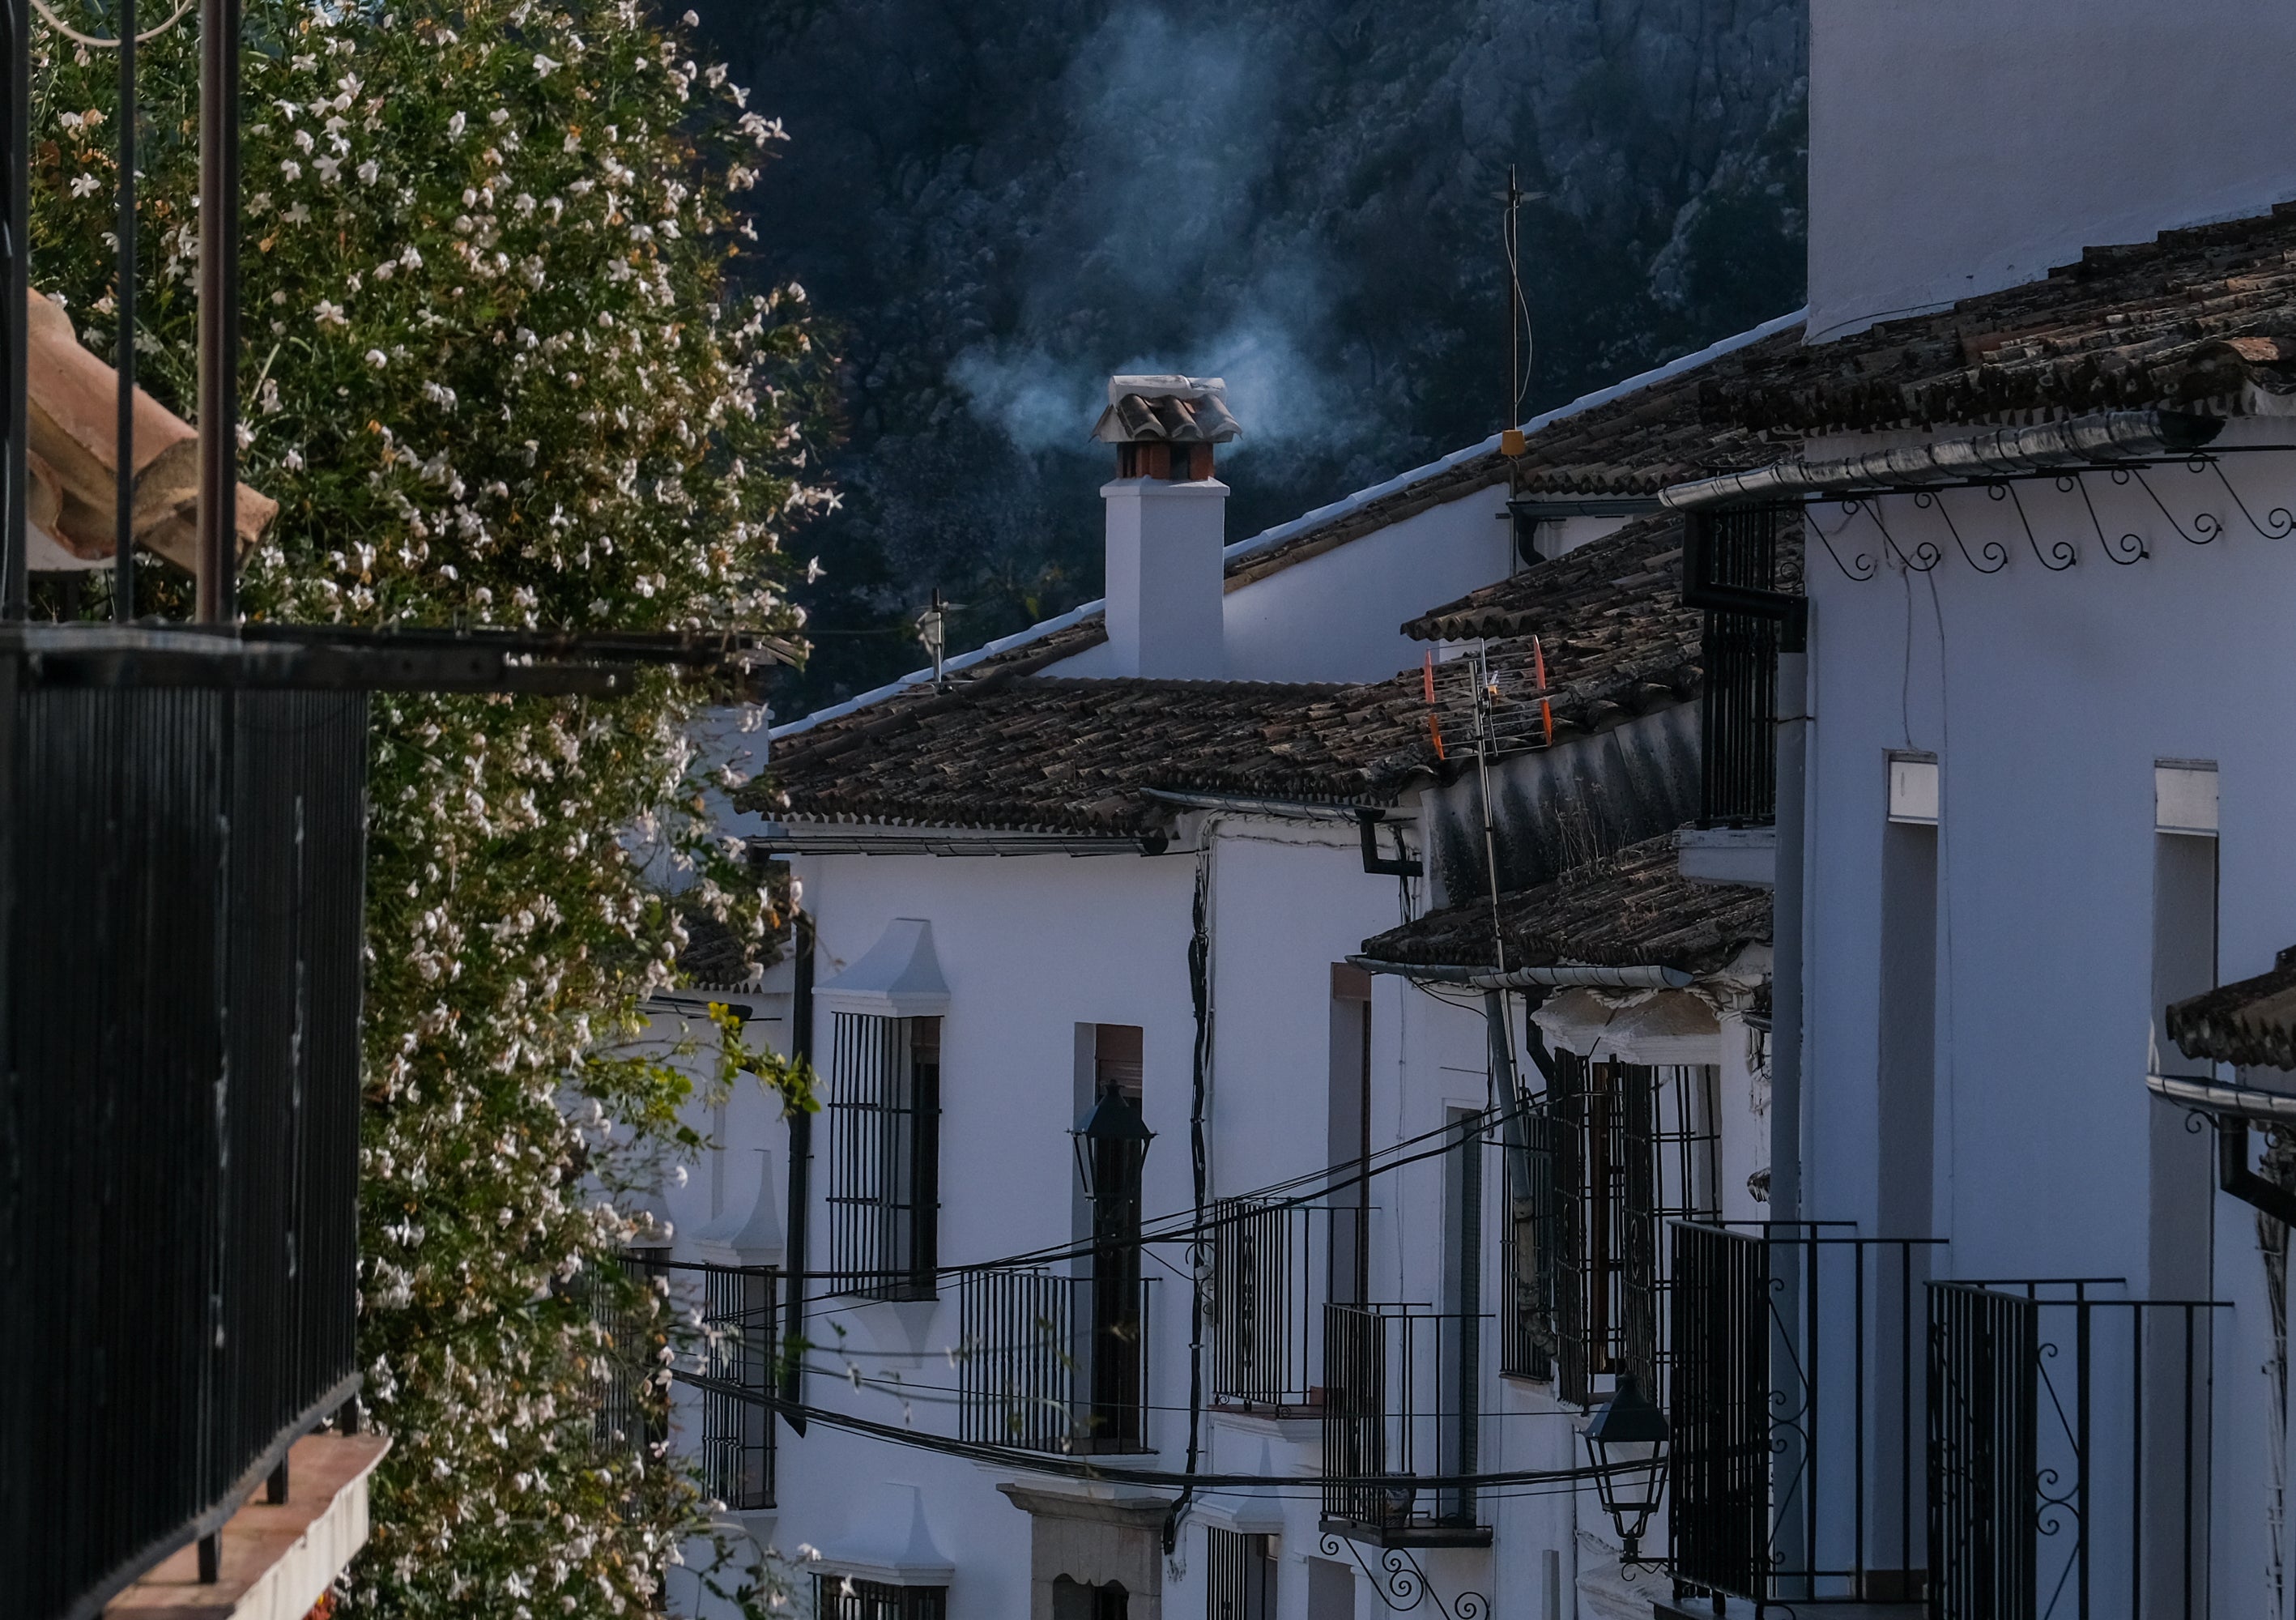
123, 530
218, 315
1795, 1545
15, 472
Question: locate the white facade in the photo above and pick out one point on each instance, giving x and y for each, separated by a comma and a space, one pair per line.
1960, 146
2088, 725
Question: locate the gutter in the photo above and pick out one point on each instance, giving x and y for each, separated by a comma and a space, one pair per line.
2234, 1109
1564, 975
895, 841
2107, 437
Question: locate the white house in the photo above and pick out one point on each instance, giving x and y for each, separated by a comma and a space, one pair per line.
1430, 1082
1115, 880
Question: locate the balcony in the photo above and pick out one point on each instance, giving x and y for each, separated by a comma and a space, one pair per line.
181, 873
1275, 1265
1847, 1430
1055, 1363
1401, 1403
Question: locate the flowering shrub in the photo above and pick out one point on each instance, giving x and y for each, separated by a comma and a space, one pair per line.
496, 372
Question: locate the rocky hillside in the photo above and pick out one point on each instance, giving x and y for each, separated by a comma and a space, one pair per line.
1001, 204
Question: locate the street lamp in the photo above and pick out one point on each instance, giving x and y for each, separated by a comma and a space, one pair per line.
1111, 1144
1627, 1442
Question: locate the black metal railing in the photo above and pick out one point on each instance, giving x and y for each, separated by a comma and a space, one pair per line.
741, 1356
2069, 1461
181, 877
1795, 1382
1400, 1404
1738, 566
623, 1309
1240, 1576
1051, 1362
1275, 1265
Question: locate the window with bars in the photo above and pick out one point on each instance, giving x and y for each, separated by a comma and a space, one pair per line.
884, 1119
737, 1426
841, 1598
1615, 1151
1240, 1571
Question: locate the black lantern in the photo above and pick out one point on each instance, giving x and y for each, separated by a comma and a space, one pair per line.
1627, 1442
1111, 1144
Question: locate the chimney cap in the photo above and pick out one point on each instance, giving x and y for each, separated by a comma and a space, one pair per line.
1169, 410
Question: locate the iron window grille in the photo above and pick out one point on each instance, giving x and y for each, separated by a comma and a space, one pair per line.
1240, 1576
1617, 1151
845, 1598
624, 1422
1046, 1363
741, 1357
1739, 565
884, 1114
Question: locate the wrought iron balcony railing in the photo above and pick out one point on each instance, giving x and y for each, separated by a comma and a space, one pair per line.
2069, 1452
181, 884
1401, 1394
1795, 1384
741, 1361
1051, 1362
1847, 1430
1275, 1266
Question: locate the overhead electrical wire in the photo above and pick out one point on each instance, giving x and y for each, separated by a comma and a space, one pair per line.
1093, 1468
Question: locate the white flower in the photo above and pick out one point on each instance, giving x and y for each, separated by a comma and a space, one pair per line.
544, 67
329, 314
454, 126
300, 214
305, 64
259, 204
367, 171
293, 461
385, 270
500, 115
330, 169
303, 141
86, 185
291, 169
573, 143
377, 358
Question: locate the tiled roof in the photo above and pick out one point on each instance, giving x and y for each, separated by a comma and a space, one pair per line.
2201, 319
1636, 444
1068, 755
999, 747
2252, 1023
1626, 588
1632, 908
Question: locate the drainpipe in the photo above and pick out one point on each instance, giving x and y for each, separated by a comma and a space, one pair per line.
801, 1171
1786, 924
1789, 1332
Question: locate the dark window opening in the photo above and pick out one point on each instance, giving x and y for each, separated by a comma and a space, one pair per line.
885, 1141
839, 1598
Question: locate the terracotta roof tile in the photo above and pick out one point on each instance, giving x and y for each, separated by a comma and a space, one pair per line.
999, 747
2252, 1023
1631, 908
2201, 319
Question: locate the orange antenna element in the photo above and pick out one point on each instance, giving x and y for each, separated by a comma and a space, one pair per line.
1434, 726
1546, 708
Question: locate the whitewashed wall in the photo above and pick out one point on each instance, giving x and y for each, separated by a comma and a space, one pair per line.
1338, 616
1958, 146
2048, 698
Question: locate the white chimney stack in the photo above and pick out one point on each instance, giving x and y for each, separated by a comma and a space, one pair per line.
1166, 525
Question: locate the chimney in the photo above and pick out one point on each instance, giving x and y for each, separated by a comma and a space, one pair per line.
1167, 524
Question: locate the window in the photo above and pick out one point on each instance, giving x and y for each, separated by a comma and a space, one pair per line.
841, 1598
884, 1115
1074, 1601
1241, 1575
737, 1426
1618, 1151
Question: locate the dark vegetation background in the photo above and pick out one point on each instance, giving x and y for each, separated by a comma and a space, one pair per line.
997, 205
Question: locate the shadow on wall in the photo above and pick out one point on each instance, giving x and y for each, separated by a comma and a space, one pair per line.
1554, 808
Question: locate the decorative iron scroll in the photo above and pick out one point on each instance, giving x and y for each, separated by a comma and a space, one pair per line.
2057, 553
1402, 1585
